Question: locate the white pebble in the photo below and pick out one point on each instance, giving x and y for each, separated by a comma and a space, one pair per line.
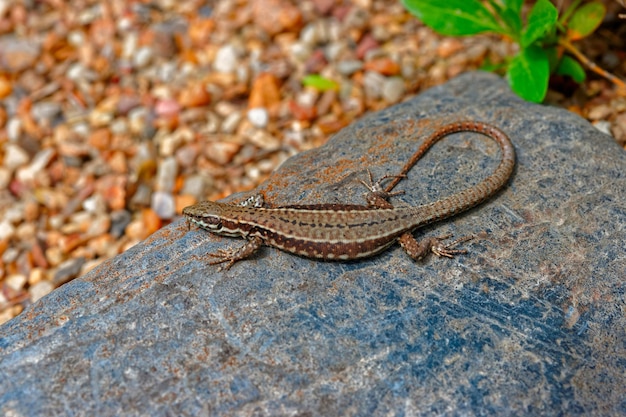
231, 122
14, 129
166, 174
258, 117
393, 89
40, 289
143, 57
226, 59
15, 156
16, 281
163, 204
6, 230
95, 204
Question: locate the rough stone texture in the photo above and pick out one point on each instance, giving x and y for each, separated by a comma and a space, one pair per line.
530, 322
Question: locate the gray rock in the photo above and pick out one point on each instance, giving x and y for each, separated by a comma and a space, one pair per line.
530, 322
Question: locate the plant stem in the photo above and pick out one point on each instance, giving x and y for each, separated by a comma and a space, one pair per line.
589, 64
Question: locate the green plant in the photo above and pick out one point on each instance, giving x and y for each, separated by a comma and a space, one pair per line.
543, 38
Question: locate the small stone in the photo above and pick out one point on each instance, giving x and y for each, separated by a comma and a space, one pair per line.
5, 87
186, 155
143, 57
26, 231
276, 16
119, 220
17, 54
99, 225
231, 122
393, 89
195, 185
265, 91
448, 47
67, 271
5, 177
34, 170
600, 112
226, 59
349, 67
258, 117
221, 153
100, 138
196, 95
141, 198
39, 290
167, 108
366, 44
163, 204
95, 204
15, 156
384, 66
36, 275
44, 112
166, 175
138, 120
16, 281
373, 82
14, 129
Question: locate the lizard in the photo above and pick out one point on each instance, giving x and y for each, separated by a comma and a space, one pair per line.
348, 231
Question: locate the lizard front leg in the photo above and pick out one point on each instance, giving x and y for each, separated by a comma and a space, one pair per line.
233, 255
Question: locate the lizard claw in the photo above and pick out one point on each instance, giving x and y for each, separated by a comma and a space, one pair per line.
441, 249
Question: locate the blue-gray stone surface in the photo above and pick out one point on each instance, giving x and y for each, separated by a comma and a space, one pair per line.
529, 322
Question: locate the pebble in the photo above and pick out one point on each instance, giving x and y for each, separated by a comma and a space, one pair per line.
142, 197
393, 89
68, 270
5, 177
39, 290
142, 57
16, 281
14, 129
95, 204
15, 156
373, 82
166, 175
226, 59
99, 225
137, 120
195, 185
349, 67
17, 54
163, 204
119, 220
231, 122
258, 117
44, 112
41, 160
221, 153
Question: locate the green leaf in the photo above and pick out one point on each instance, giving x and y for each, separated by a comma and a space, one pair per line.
528, 74
454, 17
541, 19
568, 12
570, 67
515, 5
513, 19
585, 20
319, 82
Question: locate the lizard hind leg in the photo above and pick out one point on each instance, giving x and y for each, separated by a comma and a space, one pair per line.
376, 195
419, 249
